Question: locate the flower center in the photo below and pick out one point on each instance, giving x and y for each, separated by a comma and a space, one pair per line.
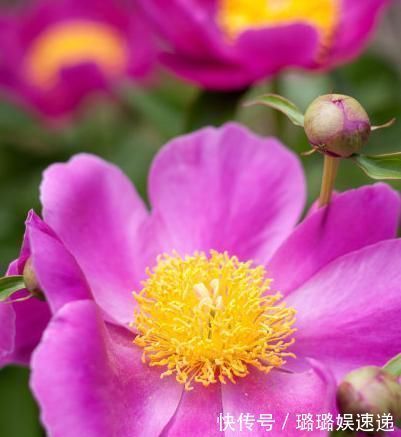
237, 16
207, 319
70, 43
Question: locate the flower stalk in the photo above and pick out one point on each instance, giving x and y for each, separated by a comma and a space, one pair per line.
330, 170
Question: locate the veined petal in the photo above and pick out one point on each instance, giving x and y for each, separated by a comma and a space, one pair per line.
280, 393
57, 272
224, 189
96, 212
23, 322
197, 413
89, 379
7, 321
354, 219
348, 314
60, 280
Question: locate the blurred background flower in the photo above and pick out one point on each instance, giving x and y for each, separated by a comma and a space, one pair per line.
228, 44
54, 54
129, 128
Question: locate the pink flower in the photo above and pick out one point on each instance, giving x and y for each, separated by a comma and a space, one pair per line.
57, 53
228, 191
229, 44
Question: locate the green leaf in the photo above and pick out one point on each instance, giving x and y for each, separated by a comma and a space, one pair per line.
212, 108
9, 285
380, 166
281, 104
394, 366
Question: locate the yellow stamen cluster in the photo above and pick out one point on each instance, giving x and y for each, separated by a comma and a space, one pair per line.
206, 319
237, 16
69, 43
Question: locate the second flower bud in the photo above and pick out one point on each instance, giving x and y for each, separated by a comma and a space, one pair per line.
337, 125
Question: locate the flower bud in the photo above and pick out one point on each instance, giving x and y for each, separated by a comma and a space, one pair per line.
370, 390
337, 125
30, 280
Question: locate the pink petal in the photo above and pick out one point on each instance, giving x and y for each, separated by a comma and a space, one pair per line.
57, 272
22, 322
90, 381
279, 393
31, 318
358, 21
224, 189
7, 322
95, 210
349, 313
256, 55
198, 49
354, 219
59, 278
197, 413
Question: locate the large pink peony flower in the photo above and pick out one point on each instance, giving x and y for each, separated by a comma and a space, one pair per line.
54, 54
229, 44
206, 313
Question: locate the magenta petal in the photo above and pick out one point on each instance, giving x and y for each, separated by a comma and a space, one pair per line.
31, 318
7, 323
22, 322
59, 278
90, 381
56, 270
349, 313
355, 219
225, 189
279, 393
95, 210
256, 55
197, 413
272, 49
358, 21
211, 74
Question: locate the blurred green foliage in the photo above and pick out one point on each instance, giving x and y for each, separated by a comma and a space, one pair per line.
129, 133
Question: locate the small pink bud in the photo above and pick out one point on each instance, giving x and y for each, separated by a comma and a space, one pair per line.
370, 390
337, 125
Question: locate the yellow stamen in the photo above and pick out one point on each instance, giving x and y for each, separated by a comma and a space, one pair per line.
206, 319
237, 16
69, 43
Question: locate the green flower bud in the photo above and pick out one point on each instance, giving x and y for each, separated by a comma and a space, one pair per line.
370, 390
337, 125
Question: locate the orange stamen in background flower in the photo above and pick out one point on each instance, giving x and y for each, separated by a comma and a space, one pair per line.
70, 43
238, 16
207, 319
